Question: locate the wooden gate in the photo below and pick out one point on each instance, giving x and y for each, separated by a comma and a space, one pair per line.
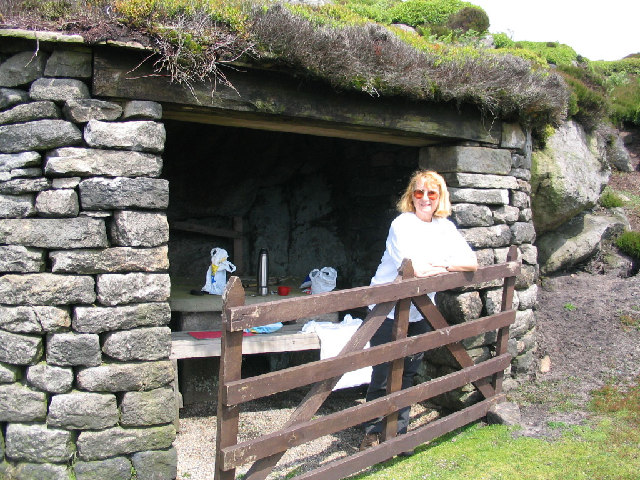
265, 451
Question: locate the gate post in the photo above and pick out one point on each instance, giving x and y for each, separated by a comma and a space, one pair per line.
502, 340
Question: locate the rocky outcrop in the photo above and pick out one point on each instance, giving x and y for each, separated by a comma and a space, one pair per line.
578, 240
568, 176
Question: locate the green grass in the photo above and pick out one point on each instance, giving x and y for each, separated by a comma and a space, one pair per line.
606, 448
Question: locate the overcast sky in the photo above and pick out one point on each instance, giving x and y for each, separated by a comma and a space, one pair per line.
603, 30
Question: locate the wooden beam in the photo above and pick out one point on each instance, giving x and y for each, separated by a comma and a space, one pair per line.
276, 100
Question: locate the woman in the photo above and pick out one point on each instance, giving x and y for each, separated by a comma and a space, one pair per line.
423, 234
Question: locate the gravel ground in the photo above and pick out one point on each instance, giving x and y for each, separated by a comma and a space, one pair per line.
196, 441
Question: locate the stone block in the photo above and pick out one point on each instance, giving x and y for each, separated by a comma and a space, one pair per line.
513, 136
117, 468
485, 256
27, 112
16, 258
50, 378
150, 343
58, 89
73, 349
466, 159
123, 377
521, 162
86, 162
69, 63
528, 276
490, 196
104, 319
492, 300
505, 214
521, 174
83, 411
22, 404
84, 110
20, 186
119, 259
478, 180
81, 232
10, 97
34, 319
459, 307
139, 136
71, 182
529, 253
57, 203
505, 413
471, 215
156, 465
16, 206
9, 374
526, 215
13, 161
522, 232
38, 135
121, 441
22, 68
46, 289
139, 229
484, 237
41, 471
148, 408
525, 321
120, 193
38, 443
528, 297
520, 199
141, 109
20, 349
116, 289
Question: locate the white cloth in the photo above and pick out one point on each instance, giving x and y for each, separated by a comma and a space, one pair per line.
437, 242
333, 338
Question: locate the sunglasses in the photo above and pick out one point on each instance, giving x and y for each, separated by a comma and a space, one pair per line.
431, 194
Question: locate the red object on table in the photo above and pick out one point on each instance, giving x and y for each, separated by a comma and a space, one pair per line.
213, 334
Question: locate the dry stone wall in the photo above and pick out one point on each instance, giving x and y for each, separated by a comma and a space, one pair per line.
86, 387
490, 194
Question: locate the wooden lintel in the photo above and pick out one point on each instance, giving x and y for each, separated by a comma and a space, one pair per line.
272, 100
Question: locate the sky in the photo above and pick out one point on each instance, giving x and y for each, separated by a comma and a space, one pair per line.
598, 30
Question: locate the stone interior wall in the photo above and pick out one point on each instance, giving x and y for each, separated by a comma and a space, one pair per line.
86, 387
85, 380
311, 201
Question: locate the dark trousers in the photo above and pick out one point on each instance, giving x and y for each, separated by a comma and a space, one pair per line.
378, 386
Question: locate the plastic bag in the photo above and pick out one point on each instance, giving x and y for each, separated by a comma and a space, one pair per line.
216, 278
323, 280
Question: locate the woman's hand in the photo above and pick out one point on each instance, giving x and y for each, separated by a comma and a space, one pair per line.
428, 269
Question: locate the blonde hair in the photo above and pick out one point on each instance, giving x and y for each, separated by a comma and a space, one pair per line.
431, 180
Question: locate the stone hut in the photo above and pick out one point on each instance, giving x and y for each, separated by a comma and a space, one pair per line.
114, 186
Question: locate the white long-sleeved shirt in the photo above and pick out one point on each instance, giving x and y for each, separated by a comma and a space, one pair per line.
437, 242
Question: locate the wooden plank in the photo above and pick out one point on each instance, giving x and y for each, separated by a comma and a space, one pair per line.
437, 321
186, 226
502, 340
307, 431
294, 308
230, 369
184, 345
396, 368
321, 390
247, 389
344, 467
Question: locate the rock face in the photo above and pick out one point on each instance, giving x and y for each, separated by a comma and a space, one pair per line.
578, 240
567, 177
81, 215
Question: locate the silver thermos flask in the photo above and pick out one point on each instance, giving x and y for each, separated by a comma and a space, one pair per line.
263, 272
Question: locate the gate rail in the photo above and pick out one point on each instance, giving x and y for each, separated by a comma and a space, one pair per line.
266, 450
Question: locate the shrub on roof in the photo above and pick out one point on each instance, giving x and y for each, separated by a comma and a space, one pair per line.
553, 52
418, 12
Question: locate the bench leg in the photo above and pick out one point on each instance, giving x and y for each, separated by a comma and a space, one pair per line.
178, 395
